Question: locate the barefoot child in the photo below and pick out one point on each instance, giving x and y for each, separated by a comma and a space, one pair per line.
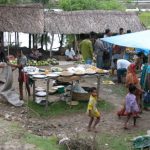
131, 106
92, 110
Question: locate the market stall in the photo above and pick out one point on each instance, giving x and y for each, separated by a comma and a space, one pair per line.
71, 74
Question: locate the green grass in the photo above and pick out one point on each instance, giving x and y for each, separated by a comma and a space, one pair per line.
61, 108
145, 18
116, 142
42, 143
119, 90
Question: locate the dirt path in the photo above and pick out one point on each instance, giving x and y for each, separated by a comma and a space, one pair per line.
70, 124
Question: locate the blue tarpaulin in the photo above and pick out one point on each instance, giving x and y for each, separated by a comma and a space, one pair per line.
145, 51
139, 40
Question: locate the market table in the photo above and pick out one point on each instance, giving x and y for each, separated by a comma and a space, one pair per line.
65, 78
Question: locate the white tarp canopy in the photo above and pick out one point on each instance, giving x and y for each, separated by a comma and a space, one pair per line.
139, 40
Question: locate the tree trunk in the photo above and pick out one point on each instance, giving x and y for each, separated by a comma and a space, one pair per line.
2, 38
46, 41
33, 42
52, 41
61, 43
29, 41
42, 39
10, 38
17, 39
36, 41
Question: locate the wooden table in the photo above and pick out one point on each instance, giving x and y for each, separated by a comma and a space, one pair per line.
71, 79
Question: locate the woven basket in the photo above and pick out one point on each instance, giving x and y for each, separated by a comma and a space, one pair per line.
80, 96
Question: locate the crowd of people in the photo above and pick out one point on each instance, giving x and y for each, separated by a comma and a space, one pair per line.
118, 58
107, 56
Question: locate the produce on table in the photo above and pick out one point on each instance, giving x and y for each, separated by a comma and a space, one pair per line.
56, 69
13, 61
47, 62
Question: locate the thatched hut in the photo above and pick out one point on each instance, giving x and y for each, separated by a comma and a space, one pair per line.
22, 18
76, 22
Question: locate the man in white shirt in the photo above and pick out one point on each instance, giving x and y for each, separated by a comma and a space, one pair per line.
70, 54
121, 66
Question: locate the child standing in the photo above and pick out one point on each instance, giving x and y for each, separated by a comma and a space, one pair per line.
92, 110
131, 106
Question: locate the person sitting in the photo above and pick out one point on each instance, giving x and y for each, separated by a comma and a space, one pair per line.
35, 54
70, 54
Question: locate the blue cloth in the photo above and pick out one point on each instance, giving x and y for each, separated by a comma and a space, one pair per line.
126, 56
88, 61
145, 51
144, 78
142, 81
99, 62
121, 72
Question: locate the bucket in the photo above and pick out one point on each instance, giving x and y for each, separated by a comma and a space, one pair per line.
61, 89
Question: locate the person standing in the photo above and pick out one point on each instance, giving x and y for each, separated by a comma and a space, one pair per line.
2, 56
131, 106
138, 59
99, 52
21, 62
131, 78
107, 56
86, 49
128, 50
92, 110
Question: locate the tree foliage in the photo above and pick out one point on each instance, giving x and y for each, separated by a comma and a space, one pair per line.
44, 2
68, 5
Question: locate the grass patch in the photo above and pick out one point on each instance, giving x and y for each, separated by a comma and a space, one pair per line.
61, 108
42, 143
145, 18
116, 142
119, 90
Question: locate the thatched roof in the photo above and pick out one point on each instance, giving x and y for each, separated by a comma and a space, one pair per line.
76, 22
27, 18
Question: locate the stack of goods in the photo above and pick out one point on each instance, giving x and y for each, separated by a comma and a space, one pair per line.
47, 62
40, 94
79, 93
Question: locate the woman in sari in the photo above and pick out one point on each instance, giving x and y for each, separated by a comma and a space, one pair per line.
145, 83
131, 78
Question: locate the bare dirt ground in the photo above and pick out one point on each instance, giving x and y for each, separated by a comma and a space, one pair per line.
64, 125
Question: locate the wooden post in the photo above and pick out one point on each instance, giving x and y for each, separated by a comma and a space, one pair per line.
29, 41
33, 89
47, 93
98, 85
52, 41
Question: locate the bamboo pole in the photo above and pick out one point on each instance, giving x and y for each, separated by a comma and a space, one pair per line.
52, 41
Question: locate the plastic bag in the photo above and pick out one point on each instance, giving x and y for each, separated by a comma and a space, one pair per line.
78, 89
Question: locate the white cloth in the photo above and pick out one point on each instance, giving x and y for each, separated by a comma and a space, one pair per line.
70, 53
122, 64
6, 90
